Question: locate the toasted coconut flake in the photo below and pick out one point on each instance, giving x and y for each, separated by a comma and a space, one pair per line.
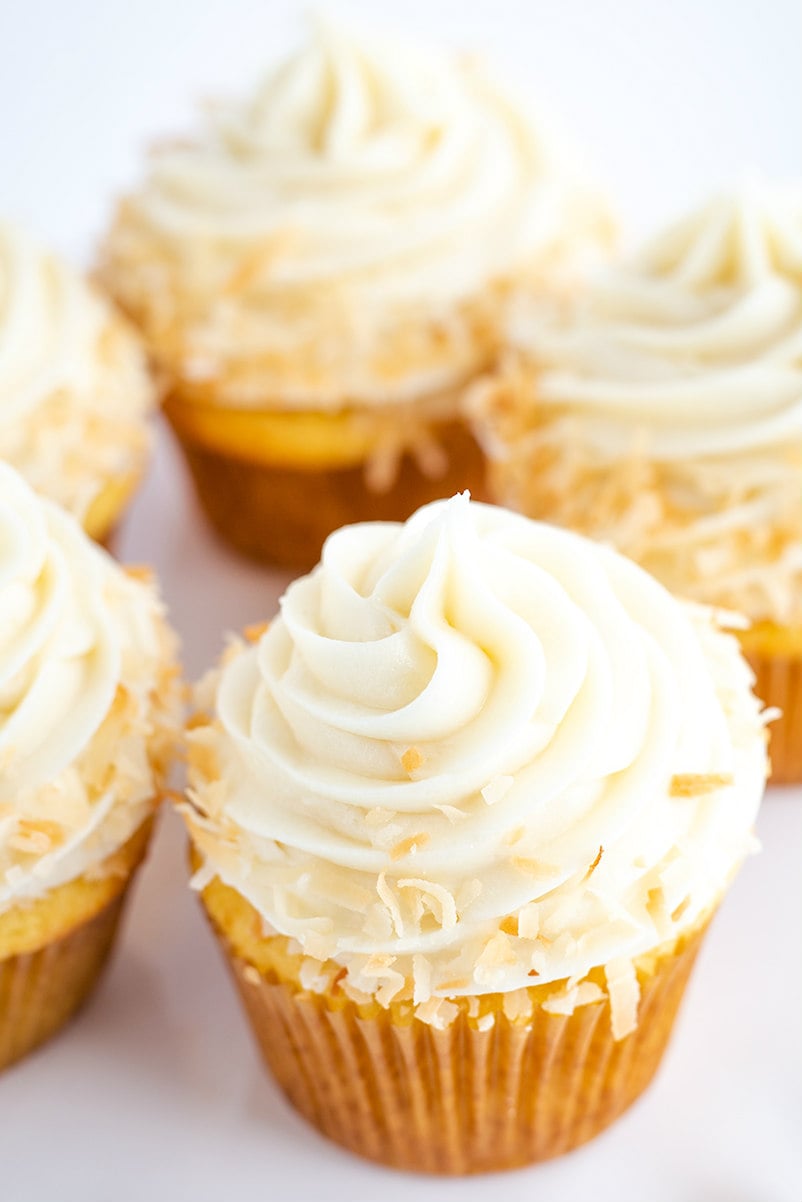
378, 816
509, 924
436, 898
485, 1022
624, 993
529, 921
312, 976
409, 846
390, 988
451, 813
597, 861
692, 784
203, 876
251, 975
140, 571
412, 760
468, 893
679, 910
391, 902
517, 1004
497, 952
567, 1000
254, 632
437, 1012
422, 975
497, 789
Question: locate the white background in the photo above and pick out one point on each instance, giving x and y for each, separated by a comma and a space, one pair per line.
155, 1092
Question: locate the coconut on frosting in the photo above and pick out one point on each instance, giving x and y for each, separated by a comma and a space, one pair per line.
89, 698
338, 234
661, 409
473, 753
74, 385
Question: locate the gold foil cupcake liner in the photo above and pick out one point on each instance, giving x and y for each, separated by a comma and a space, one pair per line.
461, 1099
44, 986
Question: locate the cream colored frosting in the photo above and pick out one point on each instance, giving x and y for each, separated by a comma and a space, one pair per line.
471, 725
88, 697
681, 369
74, 388
339, 217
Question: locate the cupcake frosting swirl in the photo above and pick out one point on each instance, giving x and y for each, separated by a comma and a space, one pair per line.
454, 758
695, 343
661, 410
362, 184
74, 388
83, 653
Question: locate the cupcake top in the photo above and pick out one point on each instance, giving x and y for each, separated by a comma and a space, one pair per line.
335, 234
662, 409
88, 697
695, 343
74, 388
476, 753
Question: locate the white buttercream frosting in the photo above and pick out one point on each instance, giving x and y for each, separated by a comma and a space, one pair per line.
74, 387
347, 209
88, 697
663, 409
474, 753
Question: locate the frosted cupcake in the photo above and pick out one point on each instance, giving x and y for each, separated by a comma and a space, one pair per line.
319, 271
461, 815
74, 387
88, 716
662, 412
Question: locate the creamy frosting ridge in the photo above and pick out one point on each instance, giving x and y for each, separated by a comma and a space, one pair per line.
475, 753
662, 408
88, 697
363, 191
74, 387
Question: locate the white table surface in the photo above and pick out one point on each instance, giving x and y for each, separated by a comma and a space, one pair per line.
155, 1092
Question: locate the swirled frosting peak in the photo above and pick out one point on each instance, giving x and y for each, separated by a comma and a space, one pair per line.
74, 387
661, 409
364, 191
473, 750
696, 341
87, 697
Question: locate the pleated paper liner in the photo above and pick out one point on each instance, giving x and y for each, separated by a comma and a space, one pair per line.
53, 951
457, 1100
775, 655
275, 485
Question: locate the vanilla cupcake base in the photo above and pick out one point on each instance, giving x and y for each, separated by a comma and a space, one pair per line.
53, 950
774, 653
274, 485
484, 1093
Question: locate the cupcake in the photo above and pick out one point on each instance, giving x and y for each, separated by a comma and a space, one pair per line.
88, 716
662, 412
74, 388
319, 272
460, 817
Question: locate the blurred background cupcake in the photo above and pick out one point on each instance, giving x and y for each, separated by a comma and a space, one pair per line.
661, 410
461, 815
88, 717
74, 386
319, 271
